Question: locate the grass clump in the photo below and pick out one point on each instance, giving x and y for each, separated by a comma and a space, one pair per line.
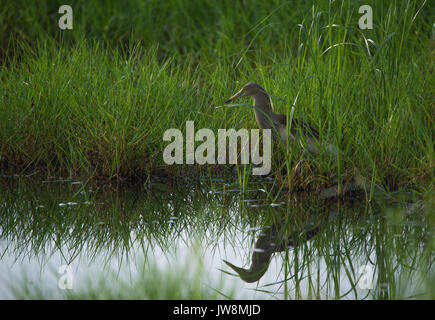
95, 101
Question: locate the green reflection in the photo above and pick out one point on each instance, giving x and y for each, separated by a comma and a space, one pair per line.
317, 247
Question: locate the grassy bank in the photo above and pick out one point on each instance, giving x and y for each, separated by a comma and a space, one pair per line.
95, 101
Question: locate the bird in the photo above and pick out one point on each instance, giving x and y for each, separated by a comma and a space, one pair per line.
268, 119
274, 238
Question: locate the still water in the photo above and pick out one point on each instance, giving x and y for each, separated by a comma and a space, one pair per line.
61, 238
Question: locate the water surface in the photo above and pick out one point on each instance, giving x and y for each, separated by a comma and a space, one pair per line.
61, 238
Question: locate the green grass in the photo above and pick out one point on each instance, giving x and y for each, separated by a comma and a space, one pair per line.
94, 102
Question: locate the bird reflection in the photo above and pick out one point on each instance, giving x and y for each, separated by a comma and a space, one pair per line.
273, 238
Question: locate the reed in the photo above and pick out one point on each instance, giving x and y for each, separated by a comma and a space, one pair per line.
96, 100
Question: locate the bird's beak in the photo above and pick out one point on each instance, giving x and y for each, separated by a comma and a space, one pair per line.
248, 275
234, 97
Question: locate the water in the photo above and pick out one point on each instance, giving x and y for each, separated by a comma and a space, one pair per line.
61, 238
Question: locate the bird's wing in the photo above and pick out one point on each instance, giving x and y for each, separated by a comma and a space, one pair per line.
305, 128
281, 120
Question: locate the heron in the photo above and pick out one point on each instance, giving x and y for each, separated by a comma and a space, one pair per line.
268, 119
298, 131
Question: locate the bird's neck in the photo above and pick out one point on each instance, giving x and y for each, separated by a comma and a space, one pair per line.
263, 110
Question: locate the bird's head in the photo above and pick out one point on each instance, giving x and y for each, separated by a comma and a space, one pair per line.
249, 90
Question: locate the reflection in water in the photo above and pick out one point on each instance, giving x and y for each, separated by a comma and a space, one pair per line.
162, 232
274, 238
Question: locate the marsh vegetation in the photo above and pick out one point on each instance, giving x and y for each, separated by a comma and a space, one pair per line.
91, 105
95, 101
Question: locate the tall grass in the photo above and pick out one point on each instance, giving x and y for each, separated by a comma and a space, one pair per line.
95, 101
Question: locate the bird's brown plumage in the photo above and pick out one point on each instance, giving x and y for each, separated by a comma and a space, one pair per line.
268, 119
